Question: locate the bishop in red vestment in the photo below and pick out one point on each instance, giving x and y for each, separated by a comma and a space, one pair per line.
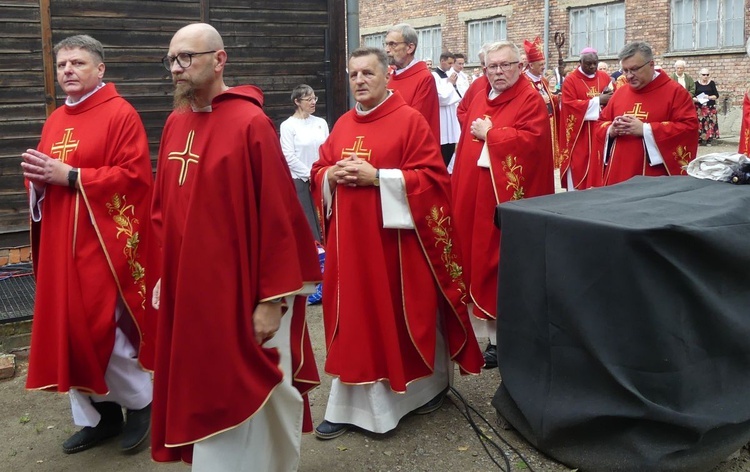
586, 90
535, 75
505, 153
90, 182
649, 127
386, 281
234, 243
412, 77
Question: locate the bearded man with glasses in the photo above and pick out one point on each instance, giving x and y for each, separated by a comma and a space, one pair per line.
235, 249
504, 153
649, 127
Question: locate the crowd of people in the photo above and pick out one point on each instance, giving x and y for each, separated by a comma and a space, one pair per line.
221, 247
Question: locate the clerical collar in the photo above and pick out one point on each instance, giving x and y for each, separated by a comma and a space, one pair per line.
69, 101
361, 112
536, 78
413, 61
589, 76
206, 109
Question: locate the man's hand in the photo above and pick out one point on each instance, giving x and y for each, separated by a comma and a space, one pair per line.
480, 127
41, 169
626, 125
604, 97
353, 172
266, 321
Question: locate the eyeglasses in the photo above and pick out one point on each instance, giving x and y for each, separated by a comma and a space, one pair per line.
634, 69
704, 75
310, 99
184, 59
393, 44
505, 67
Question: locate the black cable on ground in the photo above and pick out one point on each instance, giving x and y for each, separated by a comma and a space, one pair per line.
483, 438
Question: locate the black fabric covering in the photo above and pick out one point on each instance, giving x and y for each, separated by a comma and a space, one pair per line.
624, 324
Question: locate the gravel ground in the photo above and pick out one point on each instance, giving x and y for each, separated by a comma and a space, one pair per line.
33, 426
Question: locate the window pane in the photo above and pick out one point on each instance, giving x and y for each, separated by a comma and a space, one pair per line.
733, 11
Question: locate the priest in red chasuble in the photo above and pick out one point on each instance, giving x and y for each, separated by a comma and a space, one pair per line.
649, 126
90, 190
233, 359
411, 77
393, 303
505, 153
585, 92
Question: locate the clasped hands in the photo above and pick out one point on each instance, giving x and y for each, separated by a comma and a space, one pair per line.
352, 172
42, 169
626, 125
480, 127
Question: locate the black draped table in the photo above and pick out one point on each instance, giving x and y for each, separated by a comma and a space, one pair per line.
624, 324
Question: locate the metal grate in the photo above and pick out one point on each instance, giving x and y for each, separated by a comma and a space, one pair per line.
17, 289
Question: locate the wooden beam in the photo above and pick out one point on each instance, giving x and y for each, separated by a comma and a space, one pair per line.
205, 11
48, 62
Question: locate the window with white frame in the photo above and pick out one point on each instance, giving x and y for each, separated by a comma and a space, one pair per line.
601, 27
429, 44
707, 24
373, 40
484, 31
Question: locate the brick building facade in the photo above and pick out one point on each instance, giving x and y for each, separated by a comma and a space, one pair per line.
647, 20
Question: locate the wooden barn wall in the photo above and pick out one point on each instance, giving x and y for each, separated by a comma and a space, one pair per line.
274, 44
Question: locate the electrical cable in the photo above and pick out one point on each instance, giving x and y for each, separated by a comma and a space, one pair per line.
483, 438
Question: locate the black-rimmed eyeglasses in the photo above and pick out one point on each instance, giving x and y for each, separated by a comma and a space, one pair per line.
634, 69
184, 59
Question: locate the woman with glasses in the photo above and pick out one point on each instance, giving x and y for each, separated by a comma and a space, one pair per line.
704, 98
301, 136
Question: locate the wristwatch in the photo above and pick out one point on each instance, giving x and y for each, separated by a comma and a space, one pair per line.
72, 177
376, 182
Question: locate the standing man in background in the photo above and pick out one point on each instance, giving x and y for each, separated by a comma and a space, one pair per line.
649, 127
464, 80
586, 91
535, 63
411, 77
448, 98
90, 190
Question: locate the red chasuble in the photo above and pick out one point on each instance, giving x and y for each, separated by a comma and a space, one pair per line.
478, 87
669, 108
88, 248
232, 234
417, 87
521, 166
553, 111
744, 147
576, 135
383, 287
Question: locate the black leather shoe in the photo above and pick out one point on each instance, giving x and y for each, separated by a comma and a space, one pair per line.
137, 427
110, 425
328, 430
431, 405
490, 357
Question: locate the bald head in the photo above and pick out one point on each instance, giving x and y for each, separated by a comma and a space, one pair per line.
201, 34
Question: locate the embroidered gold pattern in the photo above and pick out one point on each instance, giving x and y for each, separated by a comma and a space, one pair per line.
593, 91
515, 179
638, 112
747, 139
438, 222
682, 156
62, 148
357, 150
127, 225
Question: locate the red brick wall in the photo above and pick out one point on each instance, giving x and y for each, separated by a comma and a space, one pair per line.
647, 20
14, 255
